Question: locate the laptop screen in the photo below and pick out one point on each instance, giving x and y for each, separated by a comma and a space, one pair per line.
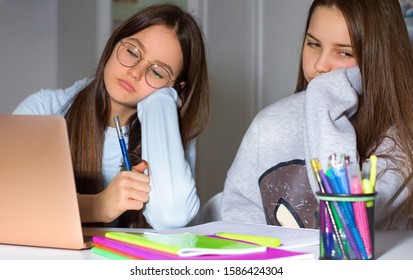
38, 203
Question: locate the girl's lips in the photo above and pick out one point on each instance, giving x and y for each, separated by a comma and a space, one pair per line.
126, 86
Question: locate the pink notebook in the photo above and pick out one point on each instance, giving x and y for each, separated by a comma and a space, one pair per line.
150, 254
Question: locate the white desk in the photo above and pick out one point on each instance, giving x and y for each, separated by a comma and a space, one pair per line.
389, 245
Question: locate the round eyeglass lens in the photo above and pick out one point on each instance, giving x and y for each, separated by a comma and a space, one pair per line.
157, 76
128, 55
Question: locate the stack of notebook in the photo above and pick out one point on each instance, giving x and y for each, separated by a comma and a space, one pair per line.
184, 246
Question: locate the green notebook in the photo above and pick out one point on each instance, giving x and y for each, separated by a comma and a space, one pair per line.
186, 244
108, 254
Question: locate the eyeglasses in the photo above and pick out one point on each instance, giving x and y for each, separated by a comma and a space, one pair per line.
156, 76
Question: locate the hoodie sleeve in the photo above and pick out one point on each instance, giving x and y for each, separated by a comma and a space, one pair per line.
330, 101
173, 200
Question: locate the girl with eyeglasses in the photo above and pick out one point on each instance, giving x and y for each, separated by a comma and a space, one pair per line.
354, 96
152, 75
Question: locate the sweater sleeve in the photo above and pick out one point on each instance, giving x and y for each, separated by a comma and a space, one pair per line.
49, 101
330, 101
35, 104
173, 200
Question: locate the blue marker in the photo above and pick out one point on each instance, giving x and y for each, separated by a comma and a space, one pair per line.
335, 181
341, 177
122, 143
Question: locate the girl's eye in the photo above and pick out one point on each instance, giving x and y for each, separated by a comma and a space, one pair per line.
132, 53
346, 54
312, 44
156, 74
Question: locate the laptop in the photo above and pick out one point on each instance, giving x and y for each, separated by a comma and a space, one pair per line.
38, 203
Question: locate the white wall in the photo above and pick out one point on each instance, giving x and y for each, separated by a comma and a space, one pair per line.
84, 27
253, 60
28, 49
48, 44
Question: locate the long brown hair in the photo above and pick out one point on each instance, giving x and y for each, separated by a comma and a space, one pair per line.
89, 113
382, 49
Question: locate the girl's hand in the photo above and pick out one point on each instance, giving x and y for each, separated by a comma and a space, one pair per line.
127, 191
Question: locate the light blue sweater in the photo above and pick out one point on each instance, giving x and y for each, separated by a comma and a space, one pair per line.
173, 200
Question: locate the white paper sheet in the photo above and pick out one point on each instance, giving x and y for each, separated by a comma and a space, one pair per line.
290, 237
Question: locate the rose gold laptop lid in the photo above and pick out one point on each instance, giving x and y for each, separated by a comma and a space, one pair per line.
38, 203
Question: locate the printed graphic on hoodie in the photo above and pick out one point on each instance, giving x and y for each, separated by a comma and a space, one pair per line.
287, 196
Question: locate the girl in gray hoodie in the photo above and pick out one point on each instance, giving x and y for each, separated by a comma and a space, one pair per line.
354, 96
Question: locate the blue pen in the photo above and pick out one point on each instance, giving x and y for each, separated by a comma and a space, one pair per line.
337, 174
341, 177
122, 143
335, 181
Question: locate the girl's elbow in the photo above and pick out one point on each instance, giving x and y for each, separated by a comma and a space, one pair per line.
172, 217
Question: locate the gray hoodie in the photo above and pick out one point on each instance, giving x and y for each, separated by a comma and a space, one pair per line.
271, 181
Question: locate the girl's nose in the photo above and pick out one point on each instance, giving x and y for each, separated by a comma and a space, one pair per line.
323, 64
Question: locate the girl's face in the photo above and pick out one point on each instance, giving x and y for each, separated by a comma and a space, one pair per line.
327, 43
127, 85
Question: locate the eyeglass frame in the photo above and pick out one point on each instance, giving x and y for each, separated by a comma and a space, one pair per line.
121, 42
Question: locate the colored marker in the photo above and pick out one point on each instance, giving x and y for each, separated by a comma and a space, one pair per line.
341, 177
259, 240
361, 217
334, 181
368, 188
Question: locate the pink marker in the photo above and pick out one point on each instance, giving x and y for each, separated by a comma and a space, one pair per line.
360, 213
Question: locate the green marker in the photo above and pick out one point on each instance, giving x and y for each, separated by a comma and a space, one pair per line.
369, 177
260, 240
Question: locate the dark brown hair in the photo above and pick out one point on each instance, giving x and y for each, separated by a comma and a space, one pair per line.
89, 113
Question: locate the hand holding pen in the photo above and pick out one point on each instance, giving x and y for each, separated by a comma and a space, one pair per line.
126, 191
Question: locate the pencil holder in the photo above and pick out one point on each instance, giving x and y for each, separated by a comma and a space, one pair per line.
346, 226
